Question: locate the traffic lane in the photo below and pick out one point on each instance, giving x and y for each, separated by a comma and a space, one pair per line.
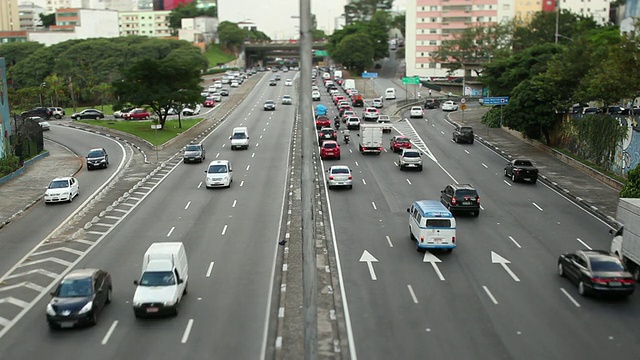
41, 219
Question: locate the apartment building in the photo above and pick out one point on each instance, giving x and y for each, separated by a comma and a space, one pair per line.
9, 15
30, 16
145, 23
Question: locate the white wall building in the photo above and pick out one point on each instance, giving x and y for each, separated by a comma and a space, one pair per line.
199, 29
79, 24
599, 9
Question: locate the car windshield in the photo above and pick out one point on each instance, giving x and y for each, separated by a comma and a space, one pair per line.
157, 278
74, 288
192, 148
463, 192
402, 140
268, 102
411, 154
340, 171
523, 163
239, 136
329, 145
606, 265
95, 153
466, 130
59, 184
217, 169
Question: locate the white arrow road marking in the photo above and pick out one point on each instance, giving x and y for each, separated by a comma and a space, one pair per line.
369, 259
187, 331
106, 337
497, 259
430, 258
584, 244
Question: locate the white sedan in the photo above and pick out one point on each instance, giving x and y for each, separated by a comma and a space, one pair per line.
449, 106
288, 82
315, 95
62, 189
416, 111
339, 175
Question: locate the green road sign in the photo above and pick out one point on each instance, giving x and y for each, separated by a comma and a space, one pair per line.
411, 80
321, 53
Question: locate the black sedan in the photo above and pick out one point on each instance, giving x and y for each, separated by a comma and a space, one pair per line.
79, 298
596, 271
88, 114
269, 105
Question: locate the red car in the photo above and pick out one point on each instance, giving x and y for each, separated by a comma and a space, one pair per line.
136, 114
337, 99
330, 149
399, 142
322, 121
209, 102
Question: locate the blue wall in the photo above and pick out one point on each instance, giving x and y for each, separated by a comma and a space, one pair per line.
5, 119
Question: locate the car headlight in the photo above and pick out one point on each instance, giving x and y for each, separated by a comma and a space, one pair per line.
86, 308
169, 303
66, 193
50, 310
137, 303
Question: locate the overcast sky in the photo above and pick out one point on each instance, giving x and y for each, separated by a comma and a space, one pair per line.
276, 18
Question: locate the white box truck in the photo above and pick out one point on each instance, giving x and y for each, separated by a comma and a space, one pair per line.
164, 279
370, 138
626, 240
348, 84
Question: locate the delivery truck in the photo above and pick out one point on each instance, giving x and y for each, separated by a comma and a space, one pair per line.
370, 138
626, 240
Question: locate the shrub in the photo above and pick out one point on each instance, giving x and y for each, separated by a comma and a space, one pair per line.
9, 164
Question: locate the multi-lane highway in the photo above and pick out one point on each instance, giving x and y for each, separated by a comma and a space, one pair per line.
231, 238
497, 295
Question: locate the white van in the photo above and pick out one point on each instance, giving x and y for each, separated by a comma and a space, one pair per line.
218, 174
239, 138
432, 226
390, 94
164, 279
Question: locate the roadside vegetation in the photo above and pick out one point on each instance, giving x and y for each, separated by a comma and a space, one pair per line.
143, 130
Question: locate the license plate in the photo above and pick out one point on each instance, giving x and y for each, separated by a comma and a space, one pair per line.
411, 165
466, 203
437, 240
527, 179
152, 310
340, 182
66, 324
327, 136
615, 283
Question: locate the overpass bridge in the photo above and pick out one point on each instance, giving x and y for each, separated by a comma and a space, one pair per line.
278, 53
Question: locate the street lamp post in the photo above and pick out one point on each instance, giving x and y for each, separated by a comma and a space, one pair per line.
42, 86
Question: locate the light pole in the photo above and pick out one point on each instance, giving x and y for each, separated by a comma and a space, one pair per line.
42, 86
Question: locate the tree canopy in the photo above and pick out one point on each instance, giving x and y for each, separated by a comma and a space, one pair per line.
363, 10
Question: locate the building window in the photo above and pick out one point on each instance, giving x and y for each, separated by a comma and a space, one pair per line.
433, 31
433, 8
433, 42
434, 19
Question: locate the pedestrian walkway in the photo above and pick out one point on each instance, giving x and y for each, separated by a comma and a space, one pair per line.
23, 191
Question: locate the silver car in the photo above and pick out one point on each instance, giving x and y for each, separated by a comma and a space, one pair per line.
339, 175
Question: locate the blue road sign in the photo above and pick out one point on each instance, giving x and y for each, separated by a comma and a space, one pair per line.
368, 75
498, 100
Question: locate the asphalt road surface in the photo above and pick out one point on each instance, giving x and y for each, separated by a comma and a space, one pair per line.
231, 238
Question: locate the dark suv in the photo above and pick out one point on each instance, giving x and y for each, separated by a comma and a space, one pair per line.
463, 134
97, 158
461, 198
432, 104
42, 112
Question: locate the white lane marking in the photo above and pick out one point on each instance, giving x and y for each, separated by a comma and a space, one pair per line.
490, 295
351, 151
224, 230
248, 166
210, 269
506, 182
200, 185
187, 206
485, 165
413, 295
241, 182
257, 144
265, 129
260, 136
364, 182
187, 331
218, 154
577, 304
106, 337
467, 151
253, 155
234, 203
481, 207
584, 244
171, 231
442, 132
374, 205
514, 241
389, 241
356, 161
536, 205
409, 181
395, 164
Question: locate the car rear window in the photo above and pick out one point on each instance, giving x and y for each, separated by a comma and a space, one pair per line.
340, 171
402, 140
411, 154
523, 163
329, 145
444, 223
465, 192
466, 129
606, 265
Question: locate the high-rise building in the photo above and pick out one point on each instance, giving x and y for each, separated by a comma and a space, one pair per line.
9, 15
30, 16
145, 23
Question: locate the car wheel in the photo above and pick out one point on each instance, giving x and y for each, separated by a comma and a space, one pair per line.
108, 301
560, 270
471, 142
58, 117
513, 177
97, 117
54, 326
94, 318
505, 172
582, 290
338, 157
186, 286
476, 213
71, 198
350, 186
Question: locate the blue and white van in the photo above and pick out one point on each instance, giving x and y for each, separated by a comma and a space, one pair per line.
431, 225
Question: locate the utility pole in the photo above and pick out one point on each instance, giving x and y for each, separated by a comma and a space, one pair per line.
557, 18
307, 190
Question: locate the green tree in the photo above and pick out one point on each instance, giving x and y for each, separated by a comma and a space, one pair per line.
161, 83
355, 60
48, 20
631, 188
257, 35
55, 88
13, 53
398, 22
188, 10
542, 28
363, 10
231, 35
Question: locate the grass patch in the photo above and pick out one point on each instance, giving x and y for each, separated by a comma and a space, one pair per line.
590, 164
106, 109
142, 129
215, 54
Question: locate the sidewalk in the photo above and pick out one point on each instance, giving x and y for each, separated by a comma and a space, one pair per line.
23, 191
